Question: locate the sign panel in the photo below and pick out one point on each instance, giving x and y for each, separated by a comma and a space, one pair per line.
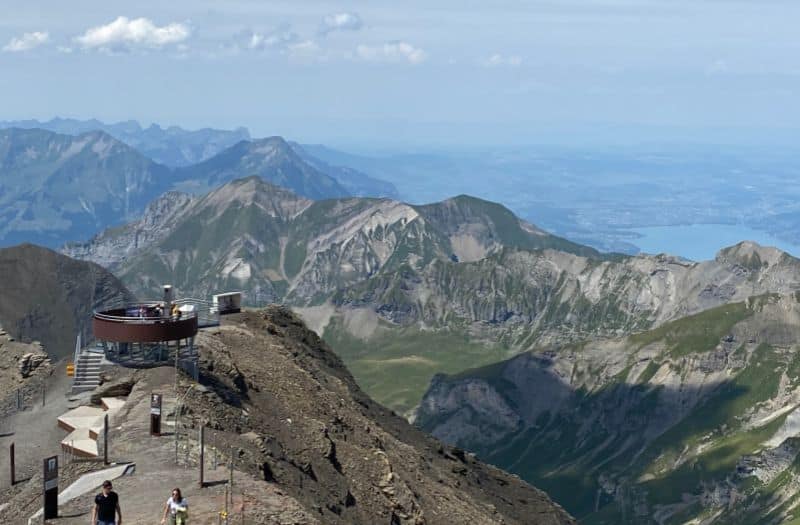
155, 414
50, 487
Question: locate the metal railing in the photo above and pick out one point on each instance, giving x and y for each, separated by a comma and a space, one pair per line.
205, 311
134, 318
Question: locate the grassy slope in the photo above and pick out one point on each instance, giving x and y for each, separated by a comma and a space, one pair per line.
396, 365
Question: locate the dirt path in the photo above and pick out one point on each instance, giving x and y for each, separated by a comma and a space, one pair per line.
142, 495
35, 431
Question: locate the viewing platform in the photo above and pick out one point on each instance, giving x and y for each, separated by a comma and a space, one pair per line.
143, 323
149, 333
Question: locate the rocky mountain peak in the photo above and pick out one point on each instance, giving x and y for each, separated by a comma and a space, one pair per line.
751, 255
254, 191
273, 159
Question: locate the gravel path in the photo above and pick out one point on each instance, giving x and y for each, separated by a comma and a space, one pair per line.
34, 431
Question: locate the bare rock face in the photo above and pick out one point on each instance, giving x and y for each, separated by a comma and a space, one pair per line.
110, 247
29, 362
23, 366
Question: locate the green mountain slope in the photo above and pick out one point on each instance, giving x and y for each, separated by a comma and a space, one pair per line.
692, 420
462, 283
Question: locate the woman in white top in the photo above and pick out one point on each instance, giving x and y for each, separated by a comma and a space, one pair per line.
177, 508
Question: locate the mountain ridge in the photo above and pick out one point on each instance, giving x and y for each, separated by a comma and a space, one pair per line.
49, 297
692, 420
172, 146
56, 188
464, 277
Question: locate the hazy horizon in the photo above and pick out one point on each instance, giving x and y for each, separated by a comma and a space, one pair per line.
445, 74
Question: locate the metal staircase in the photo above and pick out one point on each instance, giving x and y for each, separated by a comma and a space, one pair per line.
87, 371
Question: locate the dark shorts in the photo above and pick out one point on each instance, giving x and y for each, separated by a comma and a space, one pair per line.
101, 522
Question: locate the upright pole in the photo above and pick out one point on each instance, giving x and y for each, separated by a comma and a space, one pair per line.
105, 439
11, 457
176, 366
230, 477
176, 435
227, 489
202, 451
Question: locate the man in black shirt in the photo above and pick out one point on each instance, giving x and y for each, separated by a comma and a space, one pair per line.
106, 507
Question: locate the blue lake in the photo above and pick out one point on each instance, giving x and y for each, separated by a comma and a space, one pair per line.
700, 242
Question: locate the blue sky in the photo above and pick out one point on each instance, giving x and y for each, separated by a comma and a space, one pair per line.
414, 72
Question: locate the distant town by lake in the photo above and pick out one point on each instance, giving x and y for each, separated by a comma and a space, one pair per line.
700, 242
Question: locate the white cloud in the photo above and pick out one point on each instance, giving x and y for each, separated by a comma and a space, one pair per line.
283, 40
341, 22
124, 34
27, 41
396, 51
502, 60
280, 39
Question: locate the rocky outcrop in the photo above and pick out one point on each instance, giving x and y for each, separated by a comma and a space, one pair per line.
273, 389
23, 367
29, 362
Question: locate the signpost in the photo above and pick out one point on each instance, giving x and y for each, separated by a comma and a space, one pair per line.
155, 414
202, 452
105, 439
13, 468
50, 487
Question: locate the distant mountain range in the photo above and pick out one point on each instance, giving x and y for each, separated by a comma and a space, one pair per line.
55, 188
172, 146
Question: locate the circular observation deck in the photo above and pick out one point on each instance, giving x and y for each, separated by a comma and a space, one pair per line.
139, 323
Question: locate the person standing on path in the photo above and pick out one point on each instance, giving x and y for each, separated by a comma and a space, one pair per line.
106, 507
177, 508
